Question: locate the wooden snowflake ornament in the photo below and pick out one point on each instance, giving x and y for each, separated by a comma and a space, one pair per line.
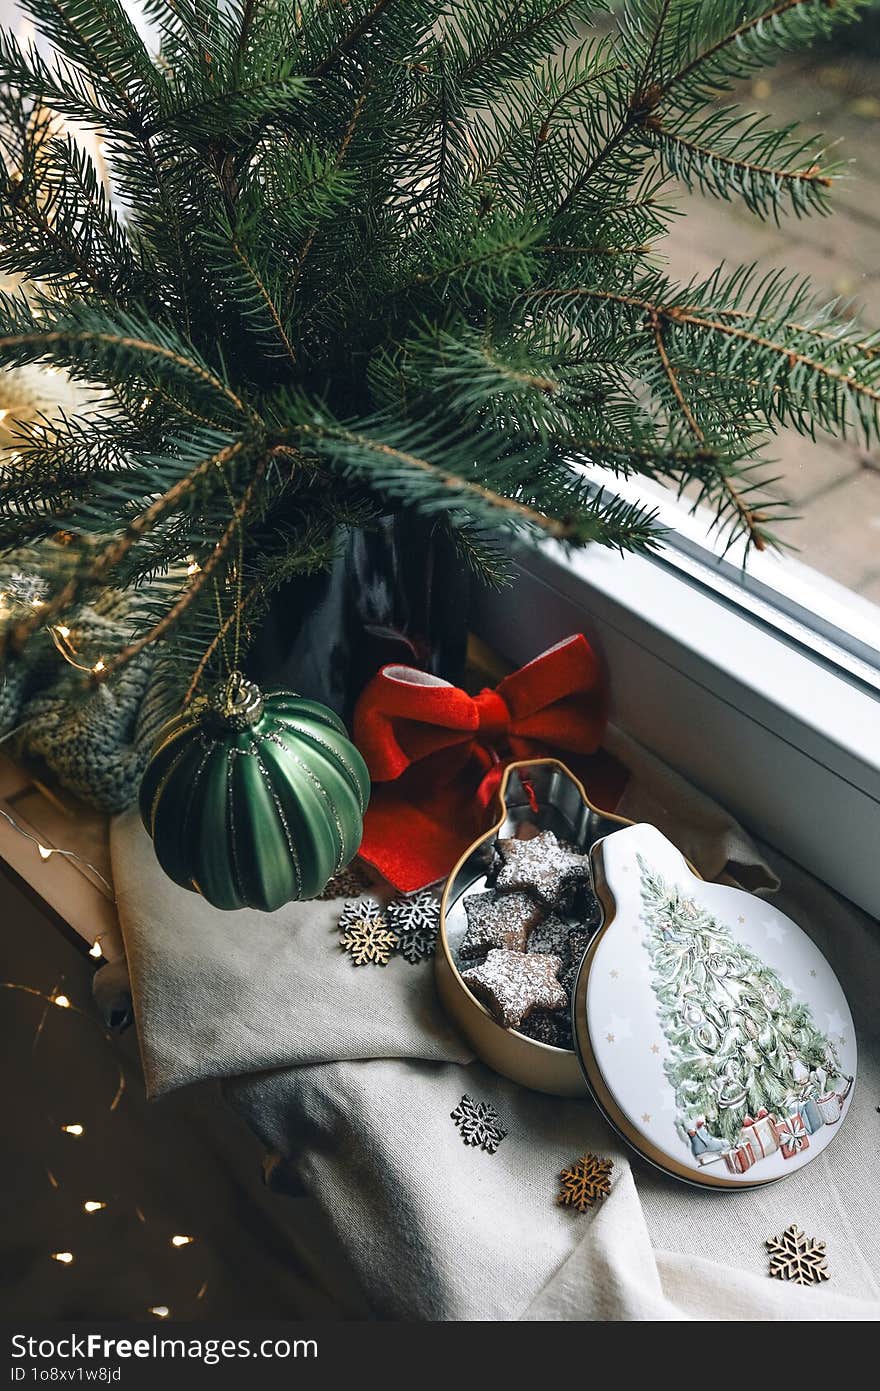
365, 935
365, 909
479, 1124
585, 1183
348, 883
794, 1256
415, 920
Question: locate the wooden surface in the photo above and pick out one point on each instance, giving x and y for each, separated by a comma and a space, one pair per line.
70, 891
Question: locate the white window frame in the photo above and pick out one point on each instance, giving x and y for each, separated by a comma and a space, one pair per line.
762, 720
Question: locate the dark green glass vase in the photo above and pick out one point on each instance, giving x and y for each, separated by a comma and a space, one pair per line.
396, 593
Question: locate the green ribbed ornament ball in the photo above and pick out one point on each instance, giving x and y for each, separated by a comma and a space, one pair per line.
254, 800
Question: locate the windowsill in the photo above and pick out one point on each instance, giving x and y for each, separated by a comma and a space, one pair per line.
790, 744
789, 596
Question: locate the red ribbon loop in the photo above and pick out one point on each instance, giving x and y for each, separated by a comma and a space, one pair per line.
493, 716
437, 753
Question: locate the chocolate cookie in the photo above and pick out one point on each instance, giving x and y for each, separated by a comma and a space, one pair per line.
578, 941
511, 984
497, 920
552, 938
548, 1026
541, 867
585, 907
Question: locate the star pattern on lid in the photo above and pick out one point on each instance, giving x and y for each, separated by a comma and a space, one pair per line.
774, 930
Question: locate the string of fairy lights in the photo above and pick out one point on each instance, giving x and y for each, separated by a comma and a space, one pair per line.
62, 636
28, 593
46, 852
76, 1130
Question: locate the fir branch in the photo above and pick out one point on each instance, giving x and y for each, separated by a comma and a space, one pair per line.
740, 162
785, 350
80, 345
483, 319
197, 583
112, 554
55, 222
266, 299
506, 251
347, 137
496, 504
101, 565
490, 47
241, 108
762, 27
350, 39
61, 256
556, 106
99, 37
71, 339
752, 521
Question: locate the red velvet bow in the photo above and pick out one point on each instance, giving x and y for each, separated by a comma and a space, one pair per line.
438, 753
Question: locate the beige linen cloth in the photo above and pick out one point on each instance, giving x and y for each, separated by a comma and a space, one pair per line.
350, 1075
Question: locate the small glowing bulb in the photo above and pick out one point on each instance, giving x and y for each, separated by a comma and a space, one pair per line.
160, 1310
93, 1206
38, 603
73, 1129
182, 1240
45, 851
99, 665
95, 949
193, 568
3, 415
63, 631
61, 1001
65, 1257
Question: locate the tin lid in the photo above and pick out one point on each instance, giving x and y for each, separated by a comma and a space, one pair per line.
712, 1032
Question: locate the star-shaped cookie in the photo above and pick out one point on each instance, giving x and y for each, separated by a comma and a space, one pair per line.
541, 867
511, 984
497, 920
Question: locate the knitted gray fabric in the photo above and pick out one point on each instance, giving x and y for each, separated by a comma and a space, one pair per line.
96, 741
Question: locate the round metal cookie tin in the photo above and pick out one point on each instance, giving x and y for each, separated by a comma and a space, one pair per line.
711, 1030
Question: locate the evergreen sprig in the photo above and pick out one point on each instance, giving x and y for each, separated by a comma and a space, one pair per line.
392, 253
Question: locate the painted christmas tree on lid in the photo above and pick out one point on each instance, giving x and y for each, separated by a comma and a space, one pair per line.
713, 1032
740, 1041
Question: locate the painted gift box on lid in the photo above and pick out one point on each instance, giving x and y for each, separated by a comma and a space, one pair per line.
712, 1031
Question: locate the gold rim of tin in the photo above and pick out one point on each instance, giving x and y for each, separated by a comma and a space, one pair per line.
492, 831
